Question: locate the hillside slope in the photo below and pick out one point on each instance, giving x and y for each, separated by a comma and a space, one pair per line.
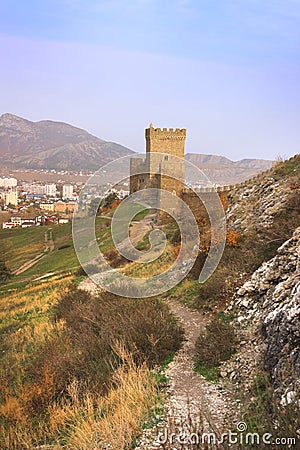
269, 306
53, 145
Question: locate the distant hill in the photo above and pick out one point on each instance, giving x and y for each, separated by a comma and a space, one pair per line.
222, 170
57, 145
53, 145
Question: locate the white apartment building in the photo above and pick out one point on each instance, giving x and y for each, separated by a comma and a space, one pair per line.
8, 182
34, 188
51, 190
9, 196
67, 191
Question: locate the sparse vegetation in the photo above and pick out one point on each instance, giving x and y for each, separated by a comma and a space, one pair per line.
247, 250
217, 344
5, 273
76, 358
76, 368
263, 410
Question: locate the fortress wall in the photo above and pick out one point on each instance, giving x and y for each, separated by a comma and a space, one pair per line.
137, 166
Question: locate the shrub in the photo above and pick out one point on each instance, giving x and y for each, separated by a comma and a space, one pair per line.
217, 344
287, 167
115, 258
264, 412
84, 348
5, 273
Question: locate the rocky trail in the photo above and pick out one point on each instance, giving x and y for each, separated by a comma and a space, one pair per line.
193, 406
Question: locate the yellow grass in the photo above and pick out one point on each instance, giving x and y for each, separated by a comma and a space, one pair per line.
92, 421
159, 265
82, 420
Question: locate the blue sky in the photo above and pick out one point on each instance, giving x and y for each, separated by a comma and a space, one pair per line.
228, 71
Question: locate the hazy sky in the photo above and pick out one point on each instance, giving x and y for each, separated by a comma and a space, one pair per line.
227, 70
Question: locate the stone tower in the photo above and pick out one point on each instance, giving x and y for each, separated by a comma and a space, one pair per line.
157, 170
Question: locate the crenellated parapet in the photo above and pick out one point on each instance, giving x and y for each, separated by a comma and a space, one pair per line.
165, 133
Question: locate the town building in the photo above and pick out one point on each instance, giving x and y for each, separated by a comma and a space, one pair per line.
9, 196
47, 206
8, 182
50, 190
67, 191
64, 207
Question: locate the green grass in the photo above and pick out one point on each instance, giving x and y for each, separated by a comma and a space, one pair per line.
288, 167
209, 373
19, 246
141, 215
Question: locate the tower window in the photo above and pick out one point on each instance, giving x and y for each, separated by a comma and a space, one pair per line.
166, 158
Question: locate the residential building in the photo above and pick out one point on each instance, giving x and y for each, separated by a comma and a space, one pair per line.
8, 182
28, 223
51, 190
47, 206
64, 207
63, 220
9, 196
7, 225
67, 191
16, 221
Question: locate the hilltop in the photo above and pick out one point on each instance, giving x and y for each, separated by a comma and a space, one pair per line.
224, 171
53, 145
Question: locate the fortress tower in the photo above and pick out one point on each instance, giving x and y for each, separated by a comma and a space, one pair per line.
155, 171
165, 141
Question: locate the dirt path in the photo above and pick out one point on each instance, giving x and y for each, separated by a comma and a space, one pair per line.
28, 264
49, 246
193, 404
138, 230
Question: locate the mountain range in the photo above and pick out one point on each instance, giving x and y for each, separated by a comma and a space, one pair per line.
53, 145
222, 170
56, 145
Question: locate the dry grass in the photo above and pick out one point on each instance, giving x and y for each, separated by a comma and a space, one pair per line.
155, 267
92, 421
65, 382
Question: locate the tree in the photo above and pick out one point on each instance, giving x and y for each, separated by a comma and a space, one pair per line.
5, 273
94, 206
107, 202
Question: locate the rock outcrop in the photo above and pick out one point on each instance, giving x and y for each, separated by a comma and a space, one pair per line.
254, 206
269, 305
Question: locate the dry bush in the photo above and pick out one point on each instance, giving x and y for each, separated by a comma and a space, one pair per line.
146, 326
217, 344
113, 421
114, 258
75, 375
